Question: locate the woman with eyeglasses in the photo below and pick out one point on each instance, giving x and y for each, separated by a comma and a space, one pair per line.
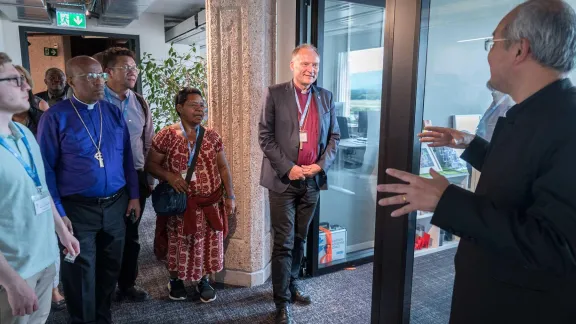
31, 117
191, 244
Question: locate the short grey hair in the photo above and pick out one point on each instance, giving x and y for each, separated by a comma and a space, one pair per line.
304, 46
550, 27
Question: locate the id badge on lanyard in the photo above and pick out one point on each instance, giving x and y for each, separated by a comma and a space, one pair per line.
303, 135
41, 200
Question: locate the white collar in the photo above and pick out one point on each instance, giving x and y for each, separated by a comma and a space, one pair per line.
89, 106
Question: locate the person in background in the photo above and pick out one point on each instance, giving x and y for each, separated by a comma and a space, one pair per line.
29, 219
55, 81
100, 58
193, 242
30, 118
119, 63
516, 260
297, 156
90, 173
501, 103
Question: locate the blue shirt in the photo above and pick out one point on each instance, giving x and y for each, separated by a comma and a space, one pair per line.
27, 241
499, 107
68, 152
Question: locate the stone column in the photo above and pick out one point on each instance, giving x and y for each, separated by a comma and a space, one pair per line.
241, 38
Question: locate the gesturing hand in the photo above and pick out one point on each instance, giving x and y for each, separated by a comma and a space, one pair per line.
178, 183
419, 194
21, 298
441, 136
296, 173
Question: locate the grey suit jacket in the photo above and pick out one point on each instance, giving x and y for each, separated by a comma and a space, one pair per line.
280, 140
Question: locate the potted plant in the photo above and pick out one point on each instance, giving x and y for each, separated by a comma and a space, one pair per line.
162, 79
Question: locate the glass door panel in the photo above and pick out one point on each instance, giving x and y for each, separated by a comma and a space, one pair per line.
352, 60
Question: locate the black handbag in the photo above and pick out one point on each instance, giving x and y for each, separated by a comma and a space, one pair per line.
165, 200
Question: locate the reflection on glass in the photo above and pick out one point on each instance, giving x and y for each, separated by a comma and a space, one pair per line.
352, 69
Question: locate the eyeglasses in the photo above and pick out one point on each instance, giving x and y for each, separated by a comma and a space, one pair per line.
196, 105
128, 68
91, 77
18, 81
489, 43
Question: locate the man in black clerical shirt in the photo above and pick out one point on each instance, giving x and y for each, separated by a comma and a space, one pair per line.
516, 262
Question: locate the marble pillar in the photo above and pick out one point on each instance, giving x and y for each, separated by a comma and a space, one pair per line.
241, 43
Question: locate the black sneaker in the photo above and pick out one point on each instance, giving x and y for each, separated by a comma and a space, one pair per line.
207, 293
177, 290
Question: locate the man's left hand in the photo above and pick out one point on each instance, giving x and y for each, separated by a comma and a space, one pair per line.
418, 194
311, 170
133, 204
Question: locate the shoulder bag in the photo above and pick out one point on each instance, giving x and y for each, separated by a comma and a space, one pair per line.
167, 201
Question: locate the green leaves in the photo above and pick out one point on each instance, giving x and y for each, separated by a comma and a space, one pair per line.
162, 79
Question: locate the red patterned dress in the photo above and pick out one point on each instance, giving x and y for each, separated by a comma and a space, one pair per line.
202, 253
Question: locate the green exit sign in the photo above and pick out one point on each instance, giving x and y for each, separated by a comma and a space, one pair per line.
50, 51
70, 19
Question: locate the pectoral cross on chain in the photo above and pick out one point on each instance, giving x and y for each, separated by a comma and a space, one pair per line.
98, 156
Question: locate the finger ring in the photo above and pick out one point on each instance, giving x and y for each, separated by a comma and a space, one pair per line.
404, 198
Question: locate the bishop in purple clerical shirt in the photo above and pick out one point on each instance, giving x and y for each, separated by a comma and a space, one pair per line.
68, 151
90, 174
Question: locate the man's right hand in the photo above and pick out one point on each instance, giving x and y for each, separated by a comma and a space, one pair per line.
441, 136
296, 173
178, 183
21, 298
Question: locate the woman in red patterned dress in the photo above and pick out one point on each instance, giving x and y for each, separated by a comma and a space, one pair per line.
191, 244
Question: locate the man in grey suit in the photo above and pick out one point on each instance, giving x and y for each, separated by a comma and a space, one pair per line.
299, 136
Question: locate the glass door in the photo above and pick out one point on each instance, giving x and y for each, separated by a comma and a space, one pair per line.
351, 45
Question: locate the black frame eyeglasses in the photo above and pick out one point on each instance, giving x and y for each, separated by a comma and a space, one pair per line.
18, 81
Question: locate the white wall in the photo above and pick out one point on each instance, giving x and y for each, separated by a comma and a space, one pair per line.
285, 38
150, 28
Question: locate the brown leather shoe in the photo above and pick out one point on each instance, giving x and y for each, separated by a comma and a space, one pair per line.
299, 295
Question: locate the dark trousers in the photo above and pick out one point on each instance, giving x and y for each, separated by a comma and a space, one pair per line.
90, 281
129, 270
291, 213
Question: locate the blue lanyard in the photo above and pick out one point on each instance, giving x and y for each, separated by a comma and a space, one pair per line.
192, 150
30, 169
124, 108
303, 114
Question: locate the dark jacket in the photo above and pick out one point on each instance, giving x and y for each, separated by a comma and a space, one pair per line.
44, 94
516, 262
279, 135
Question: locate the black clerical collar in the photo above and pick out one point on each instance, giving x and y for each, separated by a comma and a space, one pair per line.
542, 96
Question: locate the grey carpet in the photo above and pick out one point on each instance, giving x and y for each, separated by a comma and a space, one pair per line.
340, 297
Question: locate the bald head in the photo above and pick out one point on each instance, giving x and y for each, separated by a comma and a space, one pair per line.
86, 78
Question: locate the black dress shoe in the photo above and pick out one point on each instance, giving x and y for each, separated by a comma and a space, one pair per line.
135, 294
284, 315
299, 295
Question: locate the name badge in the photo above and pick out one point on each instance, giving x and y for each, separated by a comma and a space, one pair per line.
303, 137
193, 176
42, 203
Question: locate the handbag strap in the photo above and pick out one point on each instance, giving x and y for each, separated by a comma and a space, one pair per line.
196, 152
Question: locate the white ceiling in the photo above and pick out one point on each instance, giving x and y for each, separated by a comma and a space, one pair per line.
176, 8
